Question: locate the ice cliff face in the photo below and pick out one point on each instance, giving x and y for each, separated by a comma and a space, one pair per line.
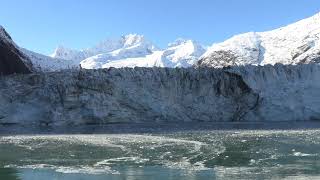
294, 44
269, 93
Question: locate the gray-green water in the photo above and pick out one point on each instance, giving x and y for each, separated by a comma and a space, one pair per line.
209, 154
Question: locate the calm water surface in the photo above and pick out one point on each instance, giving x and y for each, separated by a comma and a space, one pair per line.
157, 155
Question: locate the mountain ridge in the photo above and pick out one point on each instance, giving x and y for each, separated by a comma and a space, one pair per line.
12, 60
297, 43
292, 44
133, 47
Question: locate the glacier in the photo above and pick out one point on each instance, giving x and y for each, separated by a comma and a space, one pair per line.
135, 95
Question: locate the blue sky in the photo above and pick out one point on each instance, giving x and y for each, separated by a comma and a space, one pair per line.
41, 25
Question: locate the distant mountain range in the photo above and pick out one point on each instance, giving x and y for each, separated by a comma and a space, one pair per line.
294, 44
134, 51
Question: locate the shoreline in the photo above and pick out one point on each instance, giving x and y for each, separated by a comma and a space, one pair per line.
156, 128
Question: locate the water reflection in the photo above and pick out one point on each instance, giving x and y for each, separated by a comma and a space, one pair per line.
8, 174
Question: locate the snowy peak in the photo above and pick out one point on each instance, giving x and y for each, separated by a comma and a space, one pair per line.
125, 41
178, 42
118, 46
292, 44
184, 50
133, 40
139, 42
67, 54
138, 52
187, 47
185, 42
133, 50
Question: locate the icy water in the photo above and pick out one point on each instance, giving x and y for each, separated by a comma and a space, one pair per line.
156, 155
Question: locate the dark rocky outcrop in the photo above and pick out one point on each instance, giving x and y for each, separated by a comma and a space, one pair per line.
218, 59
12, 59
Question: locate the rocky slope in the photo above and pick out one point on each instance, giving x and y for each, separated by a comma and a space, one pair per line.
269, 93
294, 44
12, 60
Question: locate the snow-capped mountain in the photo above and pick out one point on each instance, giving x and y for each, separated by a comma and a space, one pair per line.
132, 45
181, 53
293, 44
134, 51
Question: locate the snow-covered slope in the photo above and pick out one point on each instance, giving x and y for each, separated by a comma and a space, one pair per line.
134, 51
181, 53
68, 54
42, 63
132, 45
293, 44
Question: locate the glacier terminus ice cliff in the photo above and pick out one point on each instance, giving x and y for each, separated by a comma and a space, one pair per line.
251, 93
